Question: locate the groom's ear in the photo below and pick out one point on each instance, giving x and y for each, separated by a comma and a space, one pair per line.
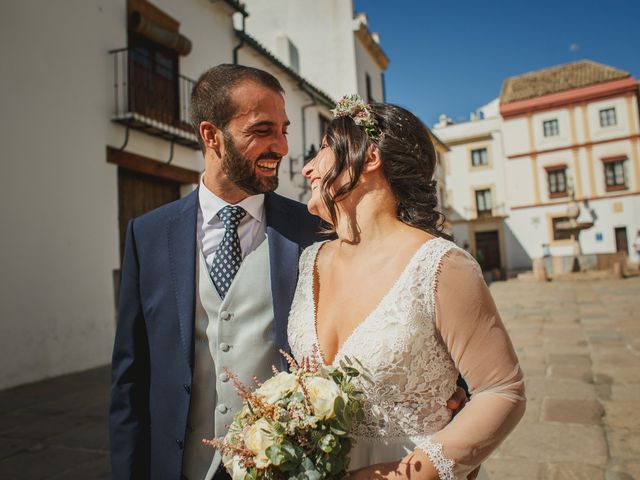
212, 137
372, 161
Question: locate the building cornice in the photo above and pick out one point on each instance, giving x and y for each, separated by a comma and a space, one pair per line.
564, 202
439, 144
573, 147
469, 139
375, 50
590, 93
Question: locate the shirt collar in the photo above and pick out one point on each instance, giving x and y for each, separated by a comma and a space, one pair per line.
211, 204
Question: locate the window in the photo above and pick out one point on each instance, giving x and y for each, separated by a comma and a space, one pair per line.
153, 80
559, 234
614, 175
557, 180
483, 202
479, 157
550, 128
367, 79
608, 117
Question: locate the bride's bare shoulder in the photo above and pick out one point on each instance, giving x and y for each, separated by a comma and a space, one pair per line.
417, 236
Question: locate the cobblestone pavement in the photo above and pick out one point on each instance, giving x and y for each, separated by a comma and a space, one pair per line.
579, 347
578, 342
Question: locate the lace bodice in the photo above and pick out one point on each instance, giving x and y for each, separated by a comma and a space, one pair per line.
401, 347
412, 372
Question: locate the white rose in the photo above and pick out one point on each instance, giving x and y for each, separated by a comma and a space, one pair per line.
323, 394
277, 387
258, 438
238, 472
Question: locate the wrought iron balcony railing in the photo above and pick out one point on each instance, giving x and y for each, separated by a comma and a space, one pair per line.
150, 95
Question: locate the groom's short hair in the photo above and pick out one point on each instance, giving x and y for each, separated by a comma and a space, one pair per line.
211, 99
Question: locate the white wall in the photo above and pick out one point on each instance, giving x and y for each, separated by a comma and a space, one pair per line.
322, 32
366, 65
60, 241
462, 178
59, 214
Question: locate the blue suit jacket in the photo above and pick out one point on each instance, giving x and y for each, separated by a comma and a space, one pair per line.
153, 352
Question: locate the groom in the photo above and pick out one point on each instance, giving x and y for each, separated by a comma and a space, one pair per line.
207, 283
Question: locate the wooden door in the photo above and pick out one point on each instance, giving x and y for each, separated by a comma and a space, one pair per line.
488, 250
139, 193
621, 240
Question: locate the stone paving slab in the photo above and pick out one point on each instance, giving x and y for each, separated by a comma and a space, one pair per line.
56, 429
580, 353
579, 348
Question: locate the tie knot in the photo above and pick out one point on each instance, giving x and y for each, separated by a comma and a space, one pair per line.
231, 216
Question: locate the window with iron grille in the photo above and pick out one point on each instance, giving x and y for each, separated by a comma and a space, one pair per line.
557, 180
483, 201
479, 157
550, 128
608, 117
153, 80
614, 175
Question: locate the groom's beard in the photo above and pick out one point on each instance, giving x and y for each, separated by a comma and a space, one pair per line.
242, 171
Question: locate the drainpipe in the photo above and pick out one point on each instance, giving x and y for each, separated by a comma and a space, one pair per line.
314, 102
241, 44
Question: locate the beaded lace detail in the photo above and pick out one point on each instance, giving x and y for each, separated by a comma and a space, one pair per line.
412, 374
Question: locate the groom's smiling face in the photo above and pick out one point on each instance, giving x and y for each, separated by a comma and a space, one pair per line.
255, 139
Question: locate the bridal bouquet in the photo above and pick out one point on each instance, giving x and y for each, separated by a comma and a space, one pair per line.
293, 426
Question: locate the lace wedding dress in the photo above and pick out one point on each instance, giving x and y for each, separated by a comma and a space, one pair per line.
438, 319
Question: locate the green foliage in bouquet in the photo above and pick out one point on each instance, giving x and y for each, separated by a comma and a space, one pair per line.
294, 426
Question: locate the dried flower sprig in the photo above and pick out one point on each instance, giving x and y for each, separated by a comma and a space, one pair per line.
243, 453
360, 112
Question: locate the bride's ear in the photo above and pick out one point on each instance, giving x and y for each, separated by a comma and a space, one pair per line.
373, 161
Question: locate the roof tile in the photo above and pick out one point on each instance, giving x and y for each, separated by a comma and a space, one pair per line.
558, 79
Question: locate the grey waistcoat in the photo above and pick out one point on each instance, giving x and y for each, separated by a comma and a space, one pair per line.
237, 333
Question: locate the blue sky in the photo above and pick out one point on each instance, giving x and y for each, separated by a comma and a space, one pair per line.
451, 57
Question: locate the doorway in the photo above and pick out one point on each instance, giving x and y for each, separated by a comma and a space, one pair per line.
139, 193
488, 250
621, 240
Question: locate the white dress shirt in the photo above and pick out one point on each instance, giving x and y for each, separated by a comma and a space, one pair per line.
252, 228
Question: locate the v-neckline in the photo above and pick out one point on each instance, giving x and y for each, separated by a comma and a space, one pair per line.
382, 300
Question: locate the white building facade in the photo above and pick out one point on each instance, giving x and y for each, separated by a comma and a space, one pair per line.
335, 48
475, 175
564, 132
573, 130
95, 132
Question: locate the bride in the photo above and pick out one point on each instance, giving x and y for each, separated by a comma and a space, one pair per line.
409, 305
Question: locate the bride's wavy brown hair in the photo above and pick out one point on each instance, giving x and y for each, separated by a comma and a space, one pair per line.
408, 163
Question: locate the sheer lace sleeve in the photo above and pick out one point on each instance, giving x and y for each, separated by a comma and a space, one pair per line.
470, 326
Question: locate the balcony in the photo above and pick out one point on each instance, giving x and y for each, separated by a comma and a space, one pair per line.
151, 96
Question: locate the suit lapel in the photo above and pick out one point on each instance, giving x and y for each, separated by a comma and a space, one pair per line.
283, 261
182, 257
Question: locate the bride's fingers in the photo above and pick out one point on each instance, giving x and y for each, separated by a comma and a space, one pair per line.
457, 400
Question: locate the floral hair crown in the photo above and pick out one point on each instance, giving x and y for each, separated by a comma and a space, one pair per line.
361, 114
